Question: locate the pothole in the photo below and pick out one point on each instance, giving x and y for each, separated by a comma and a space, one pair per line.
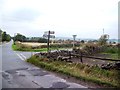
5, 75
15, 70
59, 85
37, 72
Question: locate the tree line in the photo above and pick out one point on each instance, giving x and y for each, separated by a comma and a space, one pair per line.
4, 36
22, 38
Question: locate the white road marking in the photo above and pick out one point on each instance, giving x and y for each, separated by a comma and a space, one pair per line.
20, 57
23, 56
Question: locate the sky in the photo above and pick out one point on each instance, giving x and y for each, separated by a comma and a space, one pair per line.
84, 18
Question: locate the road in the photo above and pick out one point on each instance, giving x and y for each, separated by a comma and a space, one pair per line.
16, 73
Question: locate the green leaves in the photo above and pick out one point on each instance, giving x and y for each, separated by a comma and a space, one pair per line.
4, 36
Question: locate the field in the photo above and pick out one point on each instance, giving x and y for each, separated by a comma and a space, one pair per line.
36, 44
38, 47
33, 44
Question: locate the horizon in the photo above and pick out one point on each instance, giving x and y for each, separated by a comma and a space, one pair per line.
77, 38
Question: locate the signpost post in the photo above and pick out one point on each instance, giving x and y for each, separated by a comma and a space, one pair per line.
74, 36
48, 36
48, 41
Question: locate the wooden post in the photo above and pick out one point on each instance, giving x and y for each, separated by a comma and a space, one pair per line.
69, 54
48, 41
81, 57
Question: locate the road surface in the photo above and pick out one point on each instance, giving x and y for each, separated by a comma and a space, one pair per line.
16, 73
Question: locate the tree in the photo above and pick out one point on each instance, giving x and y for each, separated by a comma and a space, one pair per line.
82, 41
4, 36
8, 38
19, 37
0, 35
103, 39
42, 40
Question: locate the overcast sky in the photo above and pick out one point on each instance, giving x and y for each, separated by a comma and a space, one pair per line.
85, 18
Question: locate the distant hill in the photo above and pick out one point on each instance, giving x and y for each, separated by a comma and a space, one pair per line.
65, 38
86, 39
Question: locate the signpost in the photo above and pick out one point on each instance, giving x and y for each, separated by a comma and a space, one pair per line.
48, 36
74, 36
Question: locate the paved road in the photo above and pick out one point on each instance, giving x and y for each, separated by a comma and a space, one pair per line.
16, 73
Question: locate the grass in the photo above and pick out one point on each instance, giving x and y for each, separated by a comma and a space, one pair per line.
80, 71
112, 55
16, 48
113, 52
19, 48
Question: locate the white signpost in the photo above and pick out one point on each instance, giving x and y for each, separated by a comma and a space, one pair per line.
46, 36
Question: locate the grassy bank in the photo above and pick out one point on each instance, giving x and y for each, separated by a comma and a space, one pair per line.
80, 71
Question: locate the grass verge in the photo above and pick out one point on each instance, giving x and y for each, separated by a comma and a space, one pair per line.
17, 48
80, 71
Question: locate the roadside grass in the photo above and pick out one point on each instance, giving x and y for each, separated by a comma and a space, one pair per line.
113, 52
112, 55
19, 48
94, 74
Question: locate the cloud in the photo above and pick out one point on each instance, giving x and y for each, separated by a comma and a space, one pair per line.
23, 14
